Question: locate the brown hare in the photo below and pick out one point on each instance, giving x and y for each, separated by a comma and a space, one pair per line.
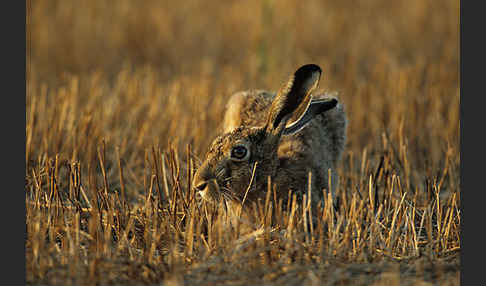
284, 136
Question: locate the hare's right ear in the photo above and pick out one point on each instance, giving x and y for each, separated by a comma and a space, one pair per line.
294, 94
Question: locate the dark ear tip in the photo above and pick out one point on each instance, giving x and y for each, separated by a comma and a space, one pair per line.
307, 70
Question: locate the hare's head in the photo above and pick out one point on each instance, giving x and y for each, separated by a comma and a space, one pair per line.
242, 159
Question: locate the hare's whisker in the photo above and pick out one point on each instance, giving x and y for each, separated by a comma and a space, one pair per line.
220, 173
227, 179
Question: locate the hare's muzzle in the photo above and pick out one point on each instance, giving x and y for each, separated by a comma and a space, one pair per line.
209, 190
205, 183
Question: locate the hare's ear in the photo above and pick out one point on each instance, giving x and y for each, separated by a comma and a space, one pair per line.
294, 94
316, 107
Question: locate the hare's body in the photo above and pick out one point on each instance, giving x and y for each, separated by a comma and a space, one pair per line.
284, 136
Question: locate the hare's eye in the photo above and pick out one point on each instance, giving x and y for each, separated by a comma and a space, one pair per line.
239, 152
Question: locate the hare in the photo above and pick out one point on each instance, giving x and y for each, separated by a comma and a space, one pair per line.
284, 136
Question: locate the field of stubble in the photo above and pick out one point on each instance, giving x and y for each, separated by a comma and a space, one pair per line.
123, 99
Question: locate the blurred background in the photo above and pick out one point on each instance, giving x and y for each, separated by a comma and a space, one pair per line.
151, 72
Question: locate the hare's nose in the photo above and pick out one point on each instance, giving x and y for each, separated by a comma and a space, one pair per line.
202, 186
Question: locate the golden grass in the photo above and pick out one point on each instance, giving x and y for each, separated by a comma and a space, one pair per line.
123, 100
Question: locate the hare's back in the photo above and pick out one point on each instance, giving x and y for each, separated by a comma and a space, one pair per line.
247, 108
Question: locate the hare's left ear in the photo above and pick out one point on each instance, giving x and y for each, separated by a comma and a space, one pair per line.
293, 96
316, 107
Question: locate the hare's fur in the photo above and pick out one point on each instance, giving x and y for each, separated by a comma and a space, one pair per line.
317, 148
287, 159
